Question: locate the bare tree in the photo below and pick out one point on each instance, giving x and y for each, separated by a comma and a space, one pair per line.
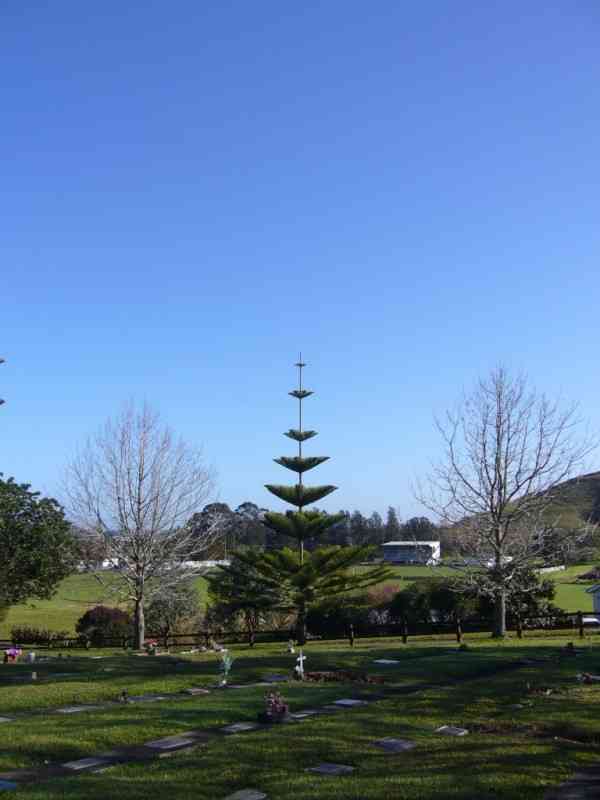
507, 448
135, 486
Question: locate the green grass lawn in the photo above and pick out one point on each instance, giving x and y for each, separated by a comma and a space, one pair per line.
75, 595
570, 595
508, 754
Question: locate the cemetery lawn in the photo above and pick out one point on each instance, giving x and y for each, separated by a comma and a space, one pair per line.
509, 752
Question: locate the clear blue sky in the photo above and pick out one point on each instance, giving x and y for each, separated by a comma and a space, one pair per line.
193, 192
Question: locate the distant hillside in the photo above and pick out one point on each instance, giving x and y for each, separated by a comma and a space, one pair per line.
579, 501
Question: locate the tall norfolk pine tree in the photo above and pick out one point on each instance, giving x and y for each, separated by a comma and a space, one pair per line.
296, 577
301, 525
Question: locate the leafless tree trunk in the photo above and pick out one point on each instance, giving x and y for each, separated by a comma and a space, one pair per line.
135, 486
507, 448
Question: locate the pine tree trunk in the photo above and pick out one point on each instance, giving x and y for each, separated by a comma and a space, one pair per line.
301, 625
499, 631
140, 624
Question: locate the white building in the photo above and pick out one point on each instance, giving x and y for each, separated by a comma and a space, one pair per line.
412, 552
595, 592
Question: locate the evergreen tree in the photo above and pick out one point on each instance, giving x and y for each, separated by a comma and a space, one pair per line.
303, 577
301, 525
376, 529
359, 530
392, 525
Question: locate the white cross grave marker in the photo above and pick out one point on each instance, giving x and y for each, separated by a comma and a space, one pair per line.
300, 662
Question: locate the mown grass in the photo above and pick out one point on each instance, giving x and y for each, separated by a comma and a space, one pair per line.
508, 754
75, 595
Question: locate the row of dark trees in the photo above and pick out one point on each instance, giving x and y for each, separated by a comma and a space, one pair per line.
245, 526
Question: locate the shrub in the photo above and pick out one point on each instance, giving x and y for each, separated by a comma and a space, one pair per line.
379, 598
27, 634
333, 617
173, 610
102, 623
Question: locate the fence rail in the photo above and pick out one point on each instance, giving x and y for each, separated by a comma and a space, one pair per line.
572, 621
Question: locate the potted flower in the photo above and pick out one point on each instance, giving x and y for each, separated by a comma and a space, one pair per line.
150, 646
276, 710
12, 654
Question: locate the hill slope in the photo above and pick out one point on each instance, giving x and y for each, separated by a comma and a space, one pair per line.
579, 501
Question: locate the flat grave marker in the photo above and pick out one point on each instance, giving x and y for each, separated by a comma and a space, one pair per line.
240, 727
452, 730
327, 768
275, 678
386, 661
86, 763
392, 745
6, 719
247, 794
147, 698
349, 703
76, 709
194, 690
309, 712
170, 743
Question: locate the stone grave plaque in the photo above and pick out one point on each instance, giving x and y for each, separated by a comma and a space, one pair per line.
86, 763
247, 794
349, 703
275, 678
452, 730
331, 769
146, 698
240, 727
194, 690
387, 661
170, 743
392, 745
5, 719
309, 712
76, 709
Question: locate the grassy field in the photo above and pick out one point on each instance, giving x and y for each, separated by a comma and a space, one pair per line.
570, 594
520, 751
75, 595
80, 592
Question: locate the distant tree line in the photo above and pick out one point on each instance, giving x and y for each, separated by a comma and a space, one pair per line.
243, 527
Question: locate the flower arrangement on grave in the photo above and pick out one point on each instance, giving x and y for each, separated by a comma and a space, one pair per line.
12, 654
150, 646
225, 666
276, 709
